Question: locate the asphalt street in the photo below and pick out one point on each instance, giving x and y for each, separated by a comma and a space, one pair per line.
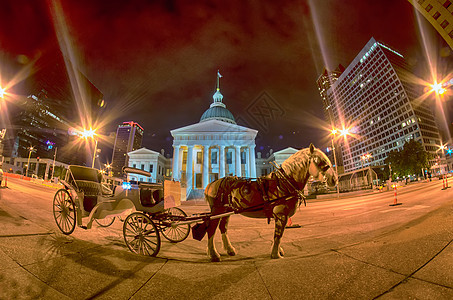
355, 247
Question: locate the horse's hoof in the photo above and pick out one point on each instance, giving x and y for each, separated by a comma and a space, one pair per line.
231, 251
277, 256
214, 258
281, 252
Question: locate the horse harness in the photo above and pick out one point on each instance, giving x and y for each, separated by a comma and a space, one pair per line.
244, 186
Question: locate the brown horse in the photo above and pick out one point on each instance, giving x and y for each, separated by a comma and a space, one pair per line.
276, 195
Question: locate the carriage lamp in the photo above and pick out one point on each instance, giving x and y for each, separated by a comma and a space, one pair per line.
126, 186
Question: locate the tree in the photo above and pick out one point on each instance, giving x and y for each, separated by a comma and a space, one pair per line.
409, 160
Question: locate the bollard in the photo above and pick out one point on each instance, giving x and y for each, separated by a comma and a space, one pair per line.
395, 202
443, 182
446, 182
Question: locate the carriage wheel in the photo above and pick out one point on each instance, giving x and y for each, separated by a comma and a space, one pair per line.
141, 234
178, 233
106, 222
64, 211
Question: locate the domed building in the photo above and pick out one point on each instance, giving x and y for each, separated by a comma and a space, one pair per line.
213, 148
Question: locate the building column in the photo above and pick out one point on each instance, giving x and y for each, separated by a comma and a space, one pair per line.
248, 166
252, 161
176, 167
189, 169
221, 161
238, 160
47, 171
205, 166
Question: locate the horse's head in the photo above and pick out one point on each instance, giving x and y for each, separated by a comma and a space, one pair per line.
320, 167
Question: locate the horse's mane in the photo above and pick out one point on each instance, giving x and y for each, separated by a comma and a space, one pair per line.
297, 162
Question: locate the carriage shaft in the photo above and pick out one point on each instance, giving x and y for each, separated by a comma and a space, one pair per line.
204, 218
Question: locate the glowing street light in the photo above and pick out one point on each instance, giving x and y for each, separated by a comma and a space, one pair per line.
108, 167
333, 132
437, 88
2, 92
91, 133
30, 150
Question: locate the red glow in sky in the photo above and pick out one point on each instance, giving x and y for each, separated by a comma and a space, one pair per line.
161, 57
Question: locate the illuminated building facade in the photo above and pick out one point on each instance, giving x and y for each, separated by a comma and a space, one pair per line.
129, 137
153, 162
374, 95
440, 14
42, 119
213, 148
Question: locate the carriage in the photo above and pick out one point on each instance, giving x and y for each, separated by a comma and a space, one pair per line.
148, 210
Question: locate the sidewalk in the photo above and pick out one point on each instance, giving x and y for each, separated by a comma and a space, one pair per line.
411, 262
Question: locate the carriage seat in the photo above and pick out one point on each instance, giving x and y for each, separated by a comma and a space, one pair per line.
88, 181
150, 193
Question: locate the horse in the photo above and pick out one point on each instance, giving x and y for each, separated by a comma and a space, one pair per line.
276, 196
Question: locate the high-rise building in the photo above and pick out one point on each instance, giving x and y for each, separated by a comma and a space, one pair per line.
129, 136
375, 96
324, 83
440, 14
54, 104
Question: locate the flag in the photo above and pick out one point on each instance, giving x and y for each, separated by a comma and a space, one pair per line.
218, 74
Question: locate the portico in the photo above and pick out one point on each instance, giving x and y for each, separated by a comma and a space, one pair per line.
210, 150
213, 148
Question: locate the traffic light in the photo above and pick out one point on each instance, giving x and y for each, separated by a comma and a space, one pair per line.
37, 159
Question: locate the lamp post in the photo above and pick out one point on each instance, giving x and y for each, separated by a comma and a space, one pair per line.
333, 132
366, 157
108, 167
53, 167
30, 150
91, 133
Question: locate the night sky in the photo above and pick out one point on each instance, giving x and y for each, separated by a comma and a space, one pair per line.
156, 61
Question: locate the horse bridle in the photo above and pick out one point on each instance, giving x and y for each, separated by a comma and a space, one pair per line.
320, 163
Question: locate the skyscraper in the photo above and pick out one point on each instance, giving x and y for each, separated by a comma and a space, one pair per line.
324, 83
129, 136
375, 96
440, 14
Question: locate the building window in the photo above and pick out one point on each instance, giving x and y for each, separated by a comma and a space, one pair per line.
428, 7
444, 24
229, 158
436, 15
421, 2
184, 158
447, 4
134, 166
143, 167
151, 167
213, 158
199, 157
243, 158
451, 34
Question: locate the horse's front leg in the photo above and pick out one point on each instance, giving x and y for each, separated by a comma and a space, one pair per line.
226, 241
280, 224
213, 255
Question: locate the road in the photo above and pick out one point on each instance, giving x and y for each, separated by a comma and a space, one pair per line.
352, 247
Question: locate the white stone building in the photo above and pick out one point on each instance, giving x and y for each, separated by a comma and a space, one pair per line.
213, 148
150, 161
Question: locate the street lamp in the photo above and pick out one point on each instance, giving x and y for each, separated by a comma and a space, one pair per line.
91, 133
333, 132
108, 167
367, 157
30, 150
